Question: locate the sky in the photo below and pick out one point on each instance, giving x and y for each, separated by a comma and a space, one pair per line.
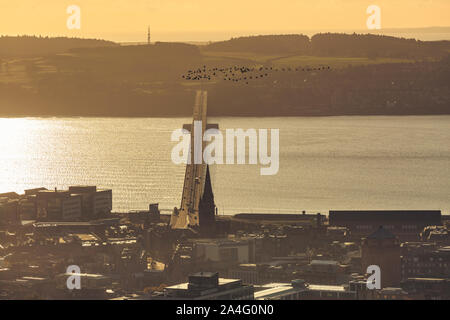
127, 20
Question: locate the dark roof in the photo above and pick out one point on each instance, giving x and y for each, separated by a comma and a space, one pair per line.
10, 195
204, 274
369, 216
380, 234
34, 191
275, 216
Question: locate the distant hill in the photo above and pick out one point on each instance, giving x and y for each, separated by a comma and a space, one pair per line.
336, 45
294, 43
35, 46
371, 45
162, 61
146, 80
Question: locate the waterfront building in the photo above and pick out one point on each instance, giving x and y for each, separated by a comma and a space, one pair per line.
405, 224
96, 203
76, 203
58, 206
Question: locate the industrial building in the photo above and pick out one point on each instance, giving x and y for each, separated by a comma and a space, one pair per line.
405, 224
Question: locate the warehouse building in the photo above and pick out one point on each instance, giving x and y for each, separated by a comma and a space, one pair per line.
405, 224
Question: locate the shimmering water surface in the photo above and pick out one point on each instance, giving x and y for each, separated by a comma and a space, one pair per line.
325, 163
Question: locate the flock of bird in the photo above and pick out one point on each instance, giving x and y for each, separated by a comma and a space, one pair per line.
241, 73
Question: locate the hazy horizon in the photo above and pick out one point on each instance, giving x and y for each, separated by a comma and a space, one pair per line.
202, 20
424, 34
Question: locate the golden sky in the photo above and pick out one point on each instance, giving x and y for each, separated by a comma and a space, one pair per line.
123, 20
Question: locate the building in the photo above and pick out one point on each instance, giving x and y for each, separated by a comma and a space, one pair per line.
390, 294
300, 290
249, 273
28, 204
33, 192
58, 206
405, 224
144, 217
439, 234
76, 203
208, 286
9, 211
10, 195
26, 287
92, 286
325, 272
223, 250
427, 288
382, 248
96, 203
27, 208
424, 260
87, 281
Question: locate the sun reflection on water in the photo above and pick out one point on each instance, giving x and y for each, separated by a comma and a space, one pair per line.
18, 138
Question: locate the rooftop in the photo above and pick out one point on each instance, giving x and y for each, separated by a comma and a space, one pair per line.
319, 287
380, 234
285, 288
184, 286
273, 291
221, 242
324, 262
427, 279
204, 274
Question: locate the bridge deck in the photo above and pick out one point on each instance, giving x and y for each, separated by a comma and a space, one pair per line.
194, 180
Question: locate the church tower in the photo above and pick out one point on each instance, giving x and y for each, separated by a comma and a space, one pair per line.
207, 207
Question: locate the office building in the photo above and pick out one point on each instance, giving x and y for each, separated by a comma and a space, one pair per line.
96, 203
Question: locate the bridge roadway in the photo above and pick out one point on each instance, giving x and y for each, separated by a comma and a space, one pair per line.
194, 180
